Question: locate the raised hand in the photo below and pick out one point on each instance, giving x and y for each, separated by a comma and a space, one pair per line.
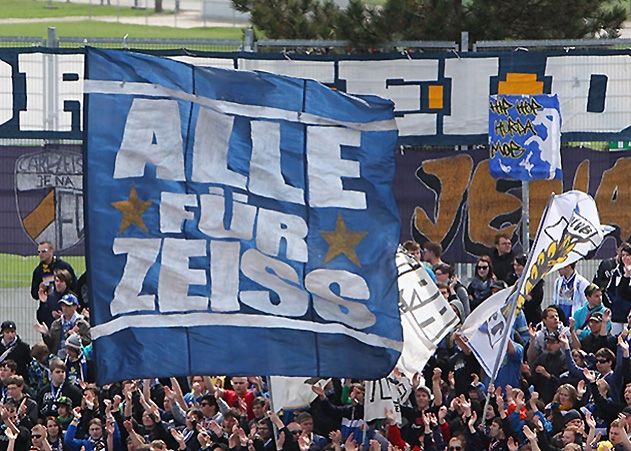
590, 421
335, 437
581, 388
529, 433
350, 444
42, 328
512, 444
587, 374
318, 391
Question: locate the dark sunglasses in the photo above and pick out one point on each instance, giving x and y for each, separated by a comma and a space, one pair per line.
481, 267
298, 432
455, 448
601, 361
205, 403
36, 435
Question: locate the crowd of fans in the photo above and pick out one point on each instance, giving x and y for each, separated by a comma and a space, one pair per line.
565, 383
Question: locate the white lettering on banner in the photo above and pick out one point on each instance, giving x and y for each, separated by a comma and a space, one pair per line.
571, 77
38, 69
173, 212
279, 277
325, 168
152, 135
213, 211
272, 227
47, 96
176, 275
210, 151
371, 77
6, 93
141, 254
266, 178
470, 89
224, 256
340, 308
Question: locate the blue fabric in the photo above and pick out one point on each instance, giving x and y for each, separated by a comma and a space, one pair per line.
323, 302
525, 137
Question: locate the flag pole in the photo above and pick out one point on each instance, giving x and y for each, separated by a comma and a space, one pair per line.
525, 217
365, 425
271, 407
514, 295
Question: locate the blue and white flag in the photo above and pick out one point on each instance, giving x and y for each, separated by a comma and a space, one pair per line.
238, 223
525, 137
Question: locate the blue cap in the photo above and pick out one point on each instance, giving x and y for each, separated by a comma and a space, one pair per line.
69, 299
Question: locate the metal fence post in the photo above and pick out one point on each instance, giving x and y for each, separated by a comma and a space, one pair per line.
464, 41
248, 43
50, 81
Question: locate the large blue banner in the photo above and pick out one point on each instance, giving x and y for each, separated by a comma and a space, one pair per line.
525, 137
238, 223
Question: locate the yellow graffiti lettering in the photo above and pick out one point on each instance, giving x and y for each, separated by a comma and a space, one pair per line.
453, 174
487, 204
500, 106
528, 107
510, 149
613, 197
512, 127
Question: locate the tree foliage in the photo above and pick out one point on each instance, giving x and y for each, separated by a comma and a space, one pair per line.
397, 20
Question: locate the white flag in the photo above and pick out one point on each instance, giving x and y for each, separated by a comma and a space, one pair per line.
292, 392
426, 317
380, 400
569, 229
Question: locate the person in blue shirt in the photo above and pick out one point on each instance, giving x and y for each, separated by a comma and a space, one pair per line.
581, 316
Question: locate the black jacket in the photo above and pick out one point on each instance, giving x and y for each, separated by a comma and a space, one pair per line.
43, 269
21, 355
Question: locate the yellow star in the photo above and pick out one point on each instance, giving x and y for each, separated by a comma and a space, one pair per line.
342, 241
132, 210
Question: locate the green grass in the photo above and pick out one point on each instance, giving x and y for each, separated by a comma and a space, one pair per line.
117, 30
28, 9
16, 271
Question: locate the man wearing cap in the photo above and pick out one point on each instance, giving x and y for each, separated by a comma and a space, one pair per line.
547, 368
64, 326
13, 348
594, 304
598, 335
44, 272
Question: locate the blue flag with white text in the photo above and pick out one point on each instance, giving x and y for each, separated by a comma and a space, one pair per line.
525, 137
237, 223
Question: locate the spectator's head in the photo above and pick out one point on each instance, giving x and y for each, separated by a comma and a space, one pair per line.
566, 396
572, 420
568, 270
38, 435
95, 429
197, 384
552, 342
484, 268
45, 251
230, 420
15, 386
294, 429
8, 331
594, 323
305, 420
579, 357
39, 352
491, 411
617, 431
209, 406
444, 289
594, 295
258, 407
569, 435
627, 417
148, 419
503, 244
519, 264
8, 368
550, 317
53, 428
627, 395
73, 346
625, 254
413, 248
605, 360
193, 418
239, 385
495, 429
69, 304
573, 447
432, 252
357, 393
57, 371
63, 280
158, 445
264, 429
444, 273
64, 407
456, 444
422, 395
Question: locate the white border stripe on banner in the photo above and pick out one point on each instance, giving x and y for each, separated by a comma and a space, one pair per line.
194, 319
222, 106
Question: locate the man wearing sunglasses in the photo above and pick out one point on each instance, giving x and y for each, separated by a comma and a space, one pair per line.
44, 272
